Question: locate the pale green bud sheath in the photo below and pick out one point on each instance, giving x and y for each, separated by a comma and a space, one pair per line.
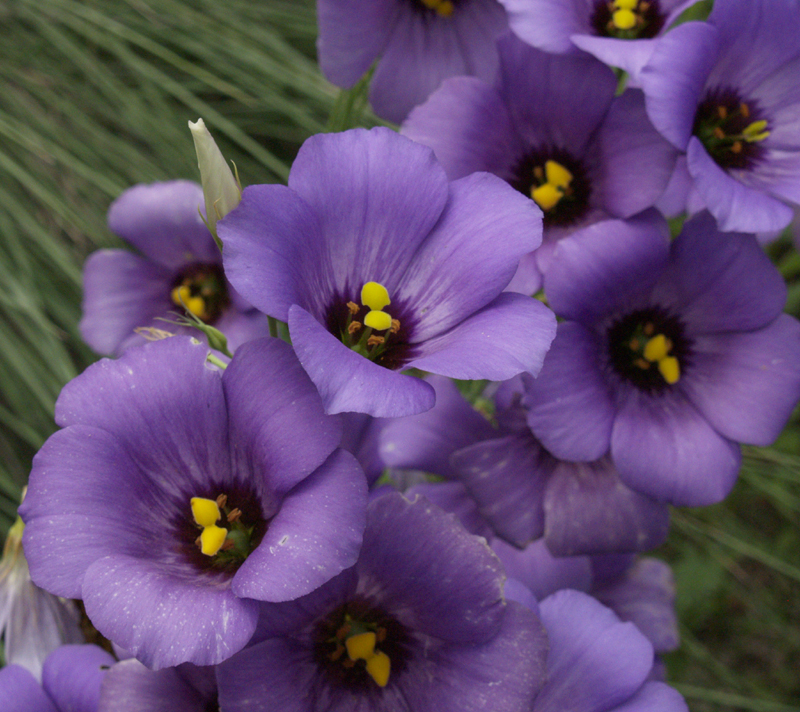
221, 190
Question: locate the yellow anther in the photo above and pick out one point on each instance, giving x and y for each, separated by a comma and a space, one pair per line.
361, 646
736, 147
379, 666
378, 320
353, 327
352, 307
205, 511
657, 348
755, 131
182, 297
722, 112
626, 4
443, 8
670, 369
744, 110
557, 175
212, 539
375, 296
547, 196
624, 19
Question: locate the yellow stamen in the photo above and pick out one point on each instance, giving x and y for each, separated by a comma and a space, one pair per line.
626, 4
205, 511
211, 539
353, 327
375, 340
443, 8
657, 348
755, 131
670, 369
361, 646
352, 307
378, 667
182, 296
744, 110
624, 19
557, 174
722, 112
375, 296
378, 320
547, 196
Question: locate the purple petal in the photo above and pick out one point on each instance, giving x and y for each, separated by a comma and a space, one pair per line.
540, 571
270, 676
554, 100
506, 477
646, 597
426, 441
274, 251
747, 384
165, 619
588, 510
629, 55
720, 281
471, 255
503, 675
349, 382
130, 687
570, 408
172, 401
673, 201
607, 267
361, 436
654, 697
595, 661
547, 24
240, 327
637, 162
72, 676
664, 448
68, 527
423, 51
528, 278
508, 336
274, 407
120, 292
377, 196
163, 221
735, 206
467, 125
674, 79
756, 38
405, 542
352, 35
316, 534
19, 692
454, 498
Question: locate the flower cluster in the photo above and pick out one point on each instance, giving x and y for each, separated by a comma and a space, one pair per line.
315, 523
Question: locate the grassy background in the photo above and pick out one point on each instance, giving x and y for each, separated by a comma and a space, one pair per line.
96, 97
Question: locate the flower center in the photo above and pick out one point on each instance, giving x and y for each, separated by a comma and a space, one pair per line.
627, 19
222, 531
730, 129
201, 289
359, 646
649, 349
368, 329
556, 182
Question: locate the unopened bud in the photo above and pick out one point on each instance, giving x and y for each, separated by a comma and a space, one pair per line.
221, 190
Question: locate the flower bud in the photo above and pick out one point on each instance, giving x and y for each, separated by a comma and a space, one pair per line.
220, 189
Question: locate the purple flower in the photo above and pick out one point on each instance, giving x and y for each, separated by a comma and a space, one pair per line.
158, 448
180, 267
552, 128
71, 681
668, 355
728, 93
419, 42
425, 599
621, 33
379, 264
517, 489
